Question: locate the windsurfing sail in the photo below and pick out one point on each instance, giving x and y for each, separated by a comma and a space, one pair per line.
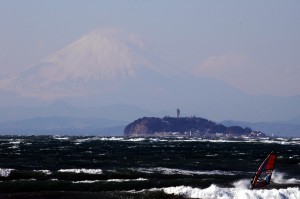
263, 175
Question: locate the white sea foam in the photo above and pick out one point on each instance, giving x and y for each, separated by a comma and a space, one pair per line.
212, 155
136, 139
242, 184
87, 171
112, 138
215, 192
223, 141
277, 177
281, 142
47, 172
57, 137
169, 171
81, 140
106, 138
78, 141
14, 147
139, 139
85, 181
295, 139
267, 140
15, 142
280, 178
5, 172
127, 180
110, 180
23, 180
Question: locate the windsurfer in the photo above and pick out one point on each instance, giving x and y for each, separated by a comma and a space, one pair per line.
252, 179
268, 178
263, 175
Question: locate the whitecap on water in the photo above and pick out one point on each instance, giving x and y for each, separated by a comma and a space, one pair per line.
280, 178
79, 141
295, 139
57, 137
136, 139
277, 177
112, 138
47, 172
127, 180
281, 142
5, 172
87, 171
14, 147
215, 192
169, 171
85, 181
15, 142
242, 184
109, 180
267, 140
212, 155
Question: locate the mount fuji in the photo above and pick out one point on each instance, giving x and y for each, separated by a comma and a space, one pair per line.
110, 66
97, 63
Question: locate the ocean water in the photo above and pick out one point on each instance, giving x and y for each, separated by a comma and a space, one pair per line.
117, 167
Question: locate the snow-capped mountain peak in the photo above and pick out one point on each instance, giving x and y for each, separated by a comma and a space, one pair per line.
97, 55
95, 63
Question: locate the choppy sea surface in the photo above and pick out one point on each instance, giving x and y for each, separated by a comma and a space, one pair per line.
117, 167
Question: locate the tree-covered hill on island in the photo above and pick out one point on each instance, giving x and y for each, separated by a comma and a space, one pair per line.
188, 126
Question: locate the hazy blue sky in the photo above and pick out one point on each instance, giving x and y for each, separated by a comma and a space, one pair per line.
251, 45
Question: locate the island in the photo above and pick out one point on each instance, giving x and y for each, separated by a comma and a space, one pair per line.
184, 126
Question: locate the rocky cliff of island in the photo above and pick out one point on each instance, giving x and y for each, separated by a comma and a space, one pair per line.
183, 126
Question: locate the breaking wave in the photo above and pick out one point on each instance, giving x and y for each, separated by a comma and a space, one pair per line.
240, 190
5, 172
47, 172
109, 180
280, 178
86, 171
267, 140
127, 180
58, 137
215, 192
169, 171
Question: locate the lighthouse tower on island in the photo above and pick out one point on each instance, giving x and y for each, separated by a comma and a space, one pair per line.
178, 113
